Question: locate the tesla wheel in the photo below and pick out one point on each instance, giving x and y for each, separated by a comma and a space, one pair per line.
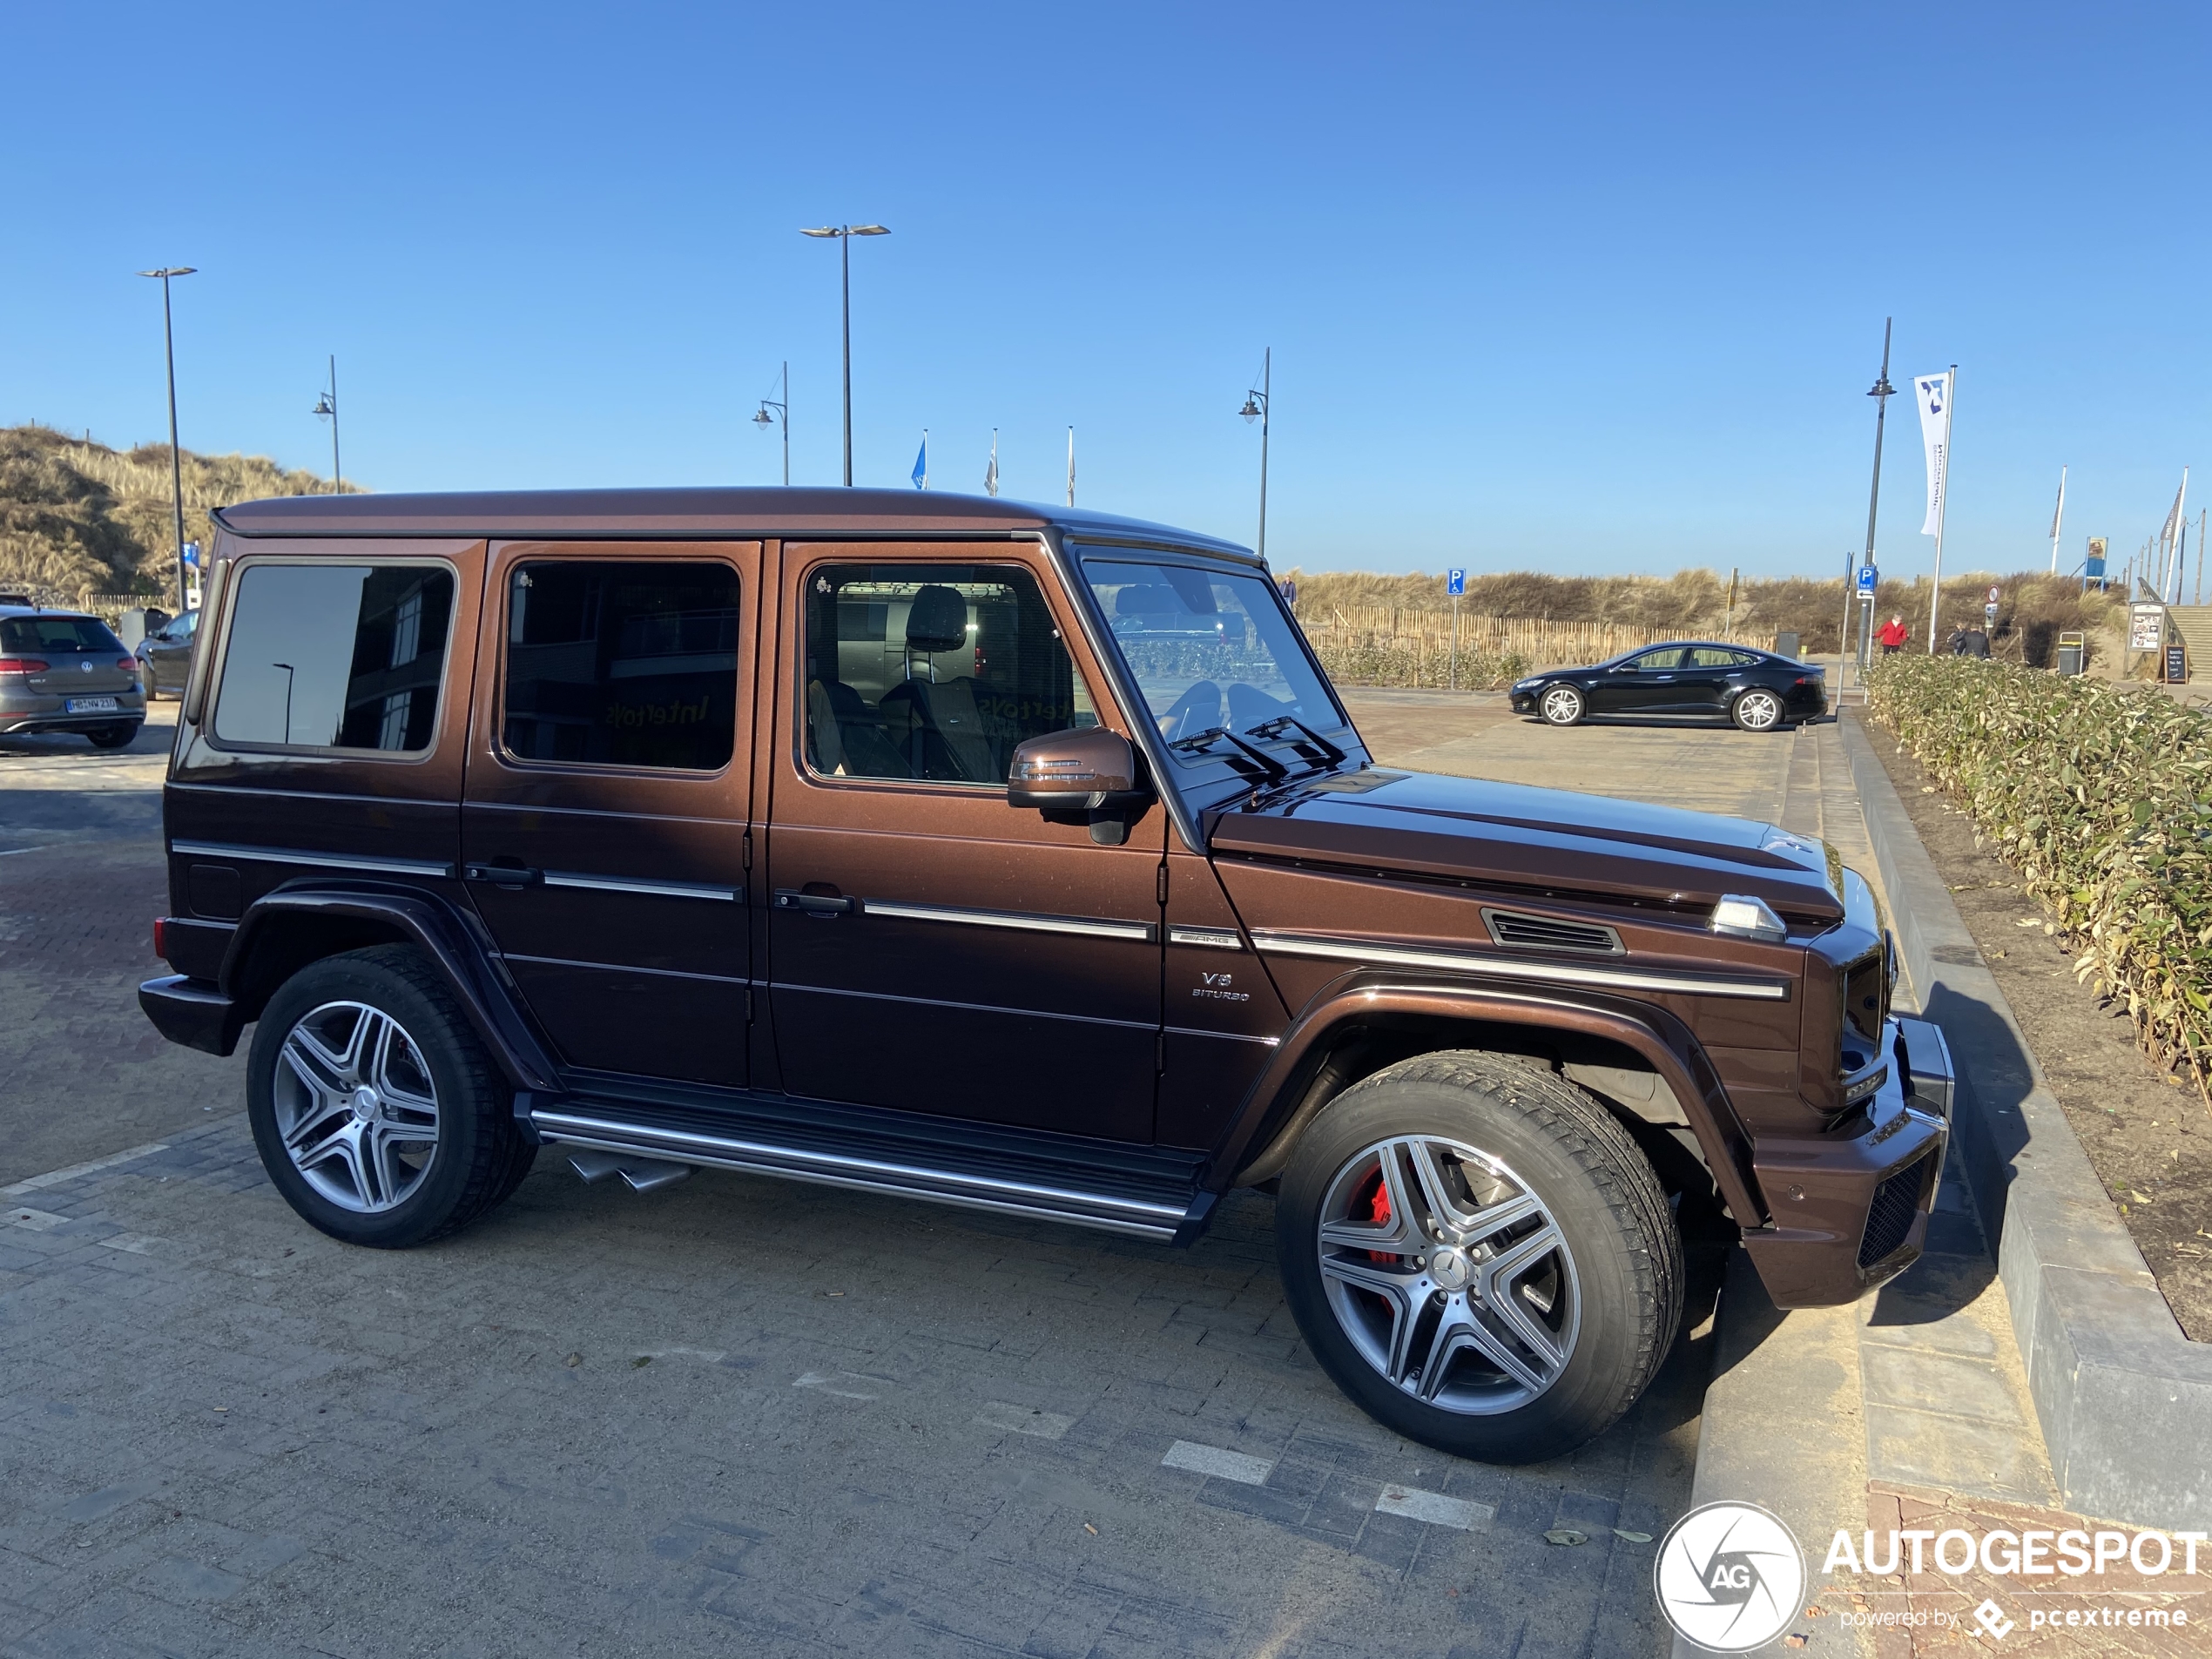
1561, 705
113, 736
1479, 1256
377, 1113
1757, 711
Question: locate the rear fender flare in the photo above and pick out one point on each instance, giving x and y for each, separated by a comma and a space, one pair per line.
434, 927
1260, 1145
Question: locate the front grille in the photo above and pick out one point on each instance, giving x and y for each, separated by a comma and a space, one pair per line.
1890, 1217
1550, 933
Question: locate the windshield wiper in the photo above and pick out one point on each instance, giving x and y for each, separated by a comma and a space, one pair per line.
1331, 755
1274, 769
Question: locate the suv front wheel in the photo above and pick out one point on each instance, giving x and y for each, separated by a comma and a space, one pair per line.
377, 1113
1479, 1256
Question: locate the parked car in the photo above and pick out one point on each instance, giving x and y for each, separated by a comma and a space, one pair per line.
844, 836
165, 655
62, 671
1758, 689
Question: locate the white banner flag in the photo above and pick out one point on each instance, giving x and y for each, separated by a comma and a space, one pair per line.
1933, 393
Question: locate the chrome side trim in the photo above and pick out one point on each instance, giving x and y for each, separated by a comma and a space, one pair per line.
836, 1170
1019, 920
1500, 967
622, 967
1224, 1036
632, 884
319, 860
1212, 938
780, 986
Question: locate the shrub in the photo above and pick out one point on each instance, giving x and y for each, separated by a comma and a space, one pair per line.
2101, 797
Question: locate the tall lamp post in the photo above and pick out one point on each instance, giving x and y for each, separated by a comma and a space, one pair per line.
782, 417
176, 461
845, 233
1881, 392
1256, 408
327, 404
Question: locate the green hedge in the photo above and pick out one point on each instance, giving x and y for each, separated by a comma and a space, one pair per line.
2102, 798
1372, 661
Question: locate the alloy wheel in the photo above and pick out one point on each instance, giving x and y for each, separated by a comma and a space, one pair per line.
355, 1107
1757, 711
1448, 1275
1562, 705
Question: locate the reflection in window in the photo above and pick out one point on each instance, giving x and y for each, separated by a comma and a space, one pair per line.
335, 656
623, 662
932, 671
1209, 648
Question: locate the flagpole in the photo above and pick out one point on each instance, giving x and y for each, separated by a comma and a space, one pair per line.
1071, 466
2199, 556
1943, 503
2058, 519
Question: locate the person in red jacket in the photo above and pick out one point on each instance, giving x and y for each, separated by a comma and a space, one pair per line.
1892, 635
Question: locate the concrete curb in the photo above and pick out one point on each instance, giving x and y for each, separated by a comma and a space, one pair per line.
2122, 1395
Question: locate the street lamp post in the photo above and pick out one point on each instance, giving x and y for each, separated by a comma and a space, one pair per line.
845, 233
176, 461
327, 404
1881, 392
289, 672
782, 417
1256, 405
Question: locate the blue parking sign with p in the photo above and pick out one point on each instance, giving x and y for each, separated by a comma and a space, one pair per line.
1868, 576
1455, 582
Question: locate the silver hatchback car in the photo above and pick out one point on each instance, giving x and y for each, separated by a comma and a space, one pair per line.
61, 670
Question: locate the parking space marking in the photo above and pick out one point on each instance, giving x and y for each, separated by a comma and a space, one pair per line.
137, 1243
827, 1382
1212, 1459
39, 1221
1434, 1507
54, 1177
1024, 1420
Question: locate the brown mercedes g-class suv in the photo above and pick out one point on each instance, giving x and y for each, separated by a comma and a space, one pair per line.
1009, 858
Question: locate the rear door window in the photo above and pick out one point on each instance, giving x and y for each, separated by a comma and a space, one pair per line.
621, 663
335, 656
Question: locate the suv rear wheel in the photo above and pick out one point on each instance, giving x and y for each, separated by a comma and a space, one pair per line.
1479, 1256
378, 1114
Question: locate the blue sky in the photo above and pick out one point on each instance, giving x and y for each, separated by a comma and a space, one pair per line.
1582, 289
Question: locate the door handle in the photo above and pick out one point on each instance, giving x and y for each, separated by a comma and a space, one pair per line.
504, 875
816, 904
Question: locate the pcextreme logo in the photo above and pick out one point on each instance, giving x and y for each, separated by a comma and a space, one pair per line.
1730, 1577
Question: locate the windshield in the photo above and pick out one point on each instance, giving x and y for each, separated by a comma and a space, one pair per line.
1209, 649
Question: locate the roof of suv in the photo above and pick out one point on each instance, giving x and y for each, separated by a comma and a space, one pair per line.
740, 514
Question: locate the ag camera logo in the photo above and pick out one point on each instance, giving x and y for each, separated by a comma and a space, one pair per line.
1730, 1577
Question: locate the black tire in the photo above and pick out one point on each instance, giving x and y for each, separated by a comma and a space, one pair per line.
1623, 1273
1757, 709
114, 736
1561, 705
480, 1156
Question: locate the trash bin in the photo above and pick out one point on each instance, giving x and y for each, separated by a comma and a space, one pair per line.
2070, 652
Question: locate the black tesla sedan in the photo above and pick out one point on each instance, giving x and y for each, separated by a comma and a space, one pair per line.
1756, 689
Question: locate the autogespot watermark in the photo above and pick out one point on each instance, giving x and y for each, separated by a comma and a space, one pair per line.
1730, 1577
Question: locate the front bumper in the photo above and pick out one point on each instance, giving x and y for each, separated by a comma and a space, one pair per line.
1850, 1212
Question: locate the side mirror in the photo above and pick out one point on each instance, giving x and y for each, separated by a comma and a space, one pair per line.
1087, 773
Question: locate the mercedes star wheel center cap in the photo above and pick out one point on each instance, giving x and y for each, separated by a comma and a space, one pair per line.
365, 1103
1451, 1269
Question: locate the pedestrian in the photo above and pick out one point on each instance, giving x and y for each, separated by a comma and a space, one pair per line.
1957, 644
1892, 635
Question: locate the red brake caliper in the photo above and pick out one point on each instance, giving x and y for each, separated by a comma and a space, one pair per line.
1378, 1212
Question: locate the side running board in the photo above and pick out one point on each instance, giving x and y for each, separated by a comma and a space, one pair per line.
607, 1136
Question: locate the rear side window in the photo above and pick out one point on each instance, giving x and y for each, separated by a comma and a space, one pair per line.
623, 662
335, 656
47, 636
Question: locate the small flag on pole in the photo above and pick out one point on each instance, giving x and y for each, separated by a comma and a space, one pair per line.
991, 472
920, 473
1071, 466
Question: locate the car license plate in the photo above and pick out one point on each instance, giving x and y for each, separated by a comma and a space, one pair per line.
91, 705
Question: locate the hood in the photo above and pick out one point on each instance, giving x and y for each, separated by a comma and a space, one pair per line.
1593, 846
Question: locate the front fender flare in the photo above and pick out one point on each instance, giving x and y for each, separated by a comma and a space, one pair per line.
456, 947
1660, 1038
